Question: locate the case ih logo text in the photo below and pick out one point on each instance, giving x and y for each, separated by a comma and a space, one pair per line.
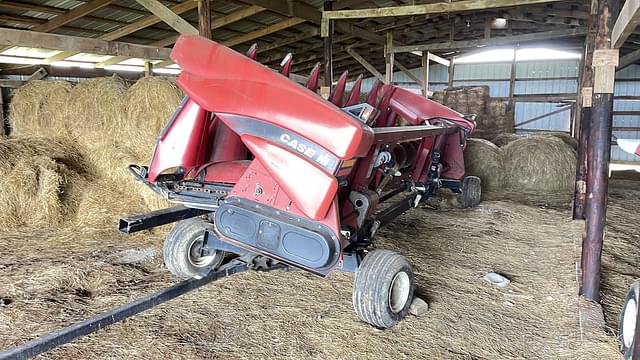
304, 149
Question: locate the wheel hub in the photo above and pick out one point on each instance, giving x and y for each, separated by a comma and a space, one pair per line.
399, 292
629, 322
195, 251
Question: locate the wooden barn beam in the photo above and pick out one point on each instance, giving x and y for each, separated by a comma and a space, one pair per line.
289, 40
215, 24
285, 24
204, 18
583, 120
629, 59
626, 23
328, 54
424, 9
506, 40
406, 71
311, 14
32, 7
290, 9
599, 151
71, 15
365, 64
129, 29
172, 19
39, 40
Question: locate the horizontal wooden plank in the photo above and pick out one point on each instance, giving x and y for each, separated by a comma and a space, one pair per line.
33, 39
424, 9
505, 40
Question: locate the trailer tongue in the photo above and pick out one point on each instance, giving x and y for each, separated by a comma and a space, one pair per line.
265, 169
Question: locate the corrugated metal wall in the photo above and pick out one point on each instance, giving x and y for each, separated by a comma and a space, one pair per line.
626, 110
535, 80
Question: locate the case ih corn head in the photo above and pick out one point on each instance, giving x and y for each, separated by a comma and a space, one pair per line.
269, 174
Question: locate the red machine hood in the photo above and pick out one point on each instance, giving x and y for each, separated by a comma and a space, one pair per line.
226, 82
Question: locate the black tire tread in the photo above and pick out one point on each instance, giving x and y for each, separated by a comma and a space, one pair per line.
176, 247
370, 288
471, 192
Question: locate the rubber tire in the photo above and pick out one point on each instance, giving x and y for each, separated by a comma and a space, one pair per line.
471, 192
177, 246
633, 293
372, 284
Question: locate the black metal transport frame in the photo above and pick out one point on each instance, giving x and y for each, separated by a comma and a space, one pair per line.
138, 222
72, 332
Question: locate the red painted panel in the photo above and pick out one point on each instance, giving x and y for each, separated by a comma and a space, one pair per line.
311, 189
184, 142
222, 80
224, 172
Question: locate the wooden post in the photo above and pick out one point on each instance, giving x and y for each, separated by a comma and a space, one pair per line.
487, 28
148, 68
583, 117
512, 81
452, 71
328, 50
604, 62
425, 74
204, 18
388, 59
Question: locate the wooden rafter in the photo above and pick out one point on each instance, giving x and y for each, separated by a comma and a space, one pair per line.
457, 45
263, 32
169, 17
215, 24
72, 15
367, 65
313, 15
424, 9
129, 29
626, 23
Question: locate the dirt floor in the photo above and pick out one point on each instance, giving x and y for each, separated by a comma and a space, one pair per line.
52, 278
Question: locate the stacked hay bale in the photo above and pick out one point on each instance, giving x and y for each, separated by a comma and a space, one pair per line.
39, 108
113, 124
504, 139
41, 181
539, 165
492, 118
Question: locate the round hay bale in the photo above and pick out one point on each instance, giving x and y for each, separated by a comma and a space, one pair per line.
503, 139
150, 102
539, 165
568, 139
39, 108
96, 111
485, 160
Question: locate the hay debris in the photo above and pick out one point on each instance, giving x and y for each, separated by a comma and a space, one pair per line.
485, 160
539, 165
538, 311
39, 108
40, 181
